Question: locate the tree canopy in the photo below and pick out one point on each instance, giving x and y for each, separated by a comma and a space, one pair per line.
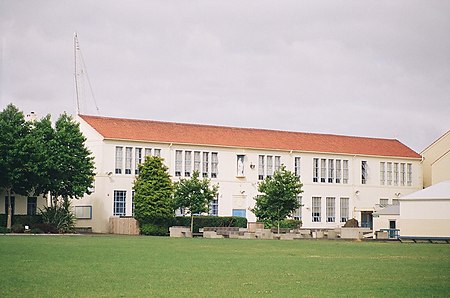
194, 194
153, 192
279, 196
37, 158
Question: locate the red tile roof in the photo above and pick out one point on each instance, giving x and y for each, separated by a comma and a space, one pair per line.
169, 132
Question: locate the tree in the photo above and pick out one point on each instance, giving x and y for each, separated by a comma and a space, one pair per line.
15, 171
69, 164
153, 192
279, 196
194, 194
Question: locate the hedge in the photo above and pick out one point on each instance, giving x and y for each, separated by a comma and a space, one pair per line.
21, 219
161, 227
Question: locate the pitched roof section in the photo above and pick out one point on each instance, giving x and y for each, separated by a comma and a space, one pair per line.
169, 132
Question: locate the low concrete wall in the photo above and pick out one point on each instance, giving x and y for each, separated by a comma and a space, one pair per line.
180, 232
353, 233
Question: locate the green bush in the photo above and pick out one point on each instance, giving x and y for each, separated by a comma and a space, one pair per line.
27, 220
154, 230
284, 224
17, 228
45, 228
36, 231
210, 221
60, 217
4, 230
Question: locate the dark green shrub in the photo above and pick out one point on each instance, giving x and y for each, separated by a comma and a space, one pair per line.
60, 217
27, 220
36, 231
284, 224
17, 228
3, 219
154, 230
45, 228
210, 221
4, 230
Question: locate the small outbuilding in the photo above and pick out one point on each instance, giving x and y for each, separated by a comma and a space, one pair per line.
426, 212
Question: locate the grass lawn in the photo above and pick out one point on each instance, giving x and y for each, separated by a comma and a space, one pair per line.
36, 266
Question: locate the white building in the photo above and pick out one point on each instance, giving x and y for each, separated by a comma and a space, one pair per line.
343, 177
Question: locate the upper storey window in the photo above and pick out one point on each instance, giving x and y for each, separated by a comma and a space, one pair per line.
330, 170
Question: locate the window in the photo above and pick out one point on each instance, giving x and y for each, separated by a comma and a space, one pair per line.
330, 170
345, 171
297, 214
128, 159
83, 212
119, 202
344, 209
148, 152
363, 172
269, 166
240, 166
178, 162
396, 173
331, 209
384, 202
389, 173
316, 209
315, 170
409, 174
119, 160
395, 202
261, 167
238, 212
382, 173
31, 205
214, 207
214, 164
157, 152
338, 171
297, 166
205, 167
277, 163
138, 159
187, 163
402, 174
323, 170
197, 161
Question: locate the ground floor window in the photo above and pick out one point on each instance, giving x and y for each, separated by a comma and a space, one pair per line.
239, 212
83, 212
119, 202
316, 209
344, 209
331, 209
31, 205
214, 207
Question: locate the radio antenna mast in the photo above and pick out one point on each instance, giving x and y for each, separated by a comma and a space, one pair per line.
80, 70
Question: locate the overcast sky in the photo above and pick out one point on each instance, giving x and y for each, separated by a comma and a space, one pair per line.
364, 68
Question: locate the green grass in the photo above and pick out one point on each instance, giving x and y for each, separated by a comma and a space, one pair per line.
36, 266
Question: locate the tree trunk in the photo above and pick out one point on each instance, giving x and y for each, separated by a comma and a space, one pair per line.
192, 225
278, 221
9, 218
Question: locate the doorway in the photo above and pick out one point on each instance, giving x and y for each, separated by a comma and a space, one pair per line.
367, 219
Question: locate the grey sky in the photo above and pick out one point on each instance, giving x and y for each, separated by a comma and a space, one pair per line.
365, 68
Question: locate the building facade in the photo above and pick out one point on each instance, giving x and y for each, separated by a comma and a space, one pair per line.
343, 177
436, 161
